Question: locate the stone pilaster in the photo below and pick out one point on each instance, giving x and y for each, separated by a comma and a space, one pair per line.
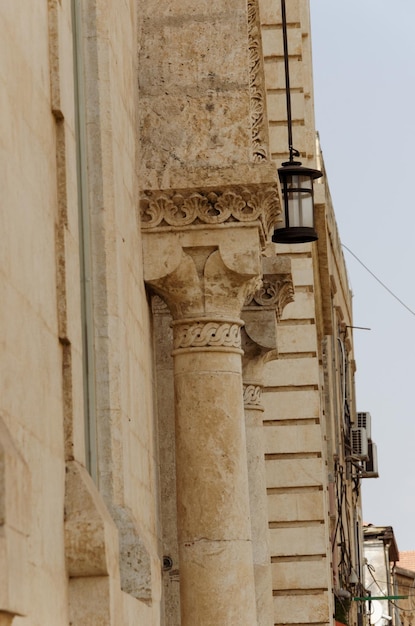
259, 340
202, 256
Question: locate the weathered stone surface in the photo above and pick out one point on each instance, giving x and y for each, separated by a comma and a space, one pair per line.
219, 570
292, 439
294, 404
312, 609
286, 371
307, 539
297, 338
91, 537
168, 145
259, 337
298, 472
15, 524
300, 574
296, 507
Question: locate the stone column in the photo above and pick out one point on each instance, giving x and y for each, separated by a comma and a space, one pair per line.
204, 264
260, 346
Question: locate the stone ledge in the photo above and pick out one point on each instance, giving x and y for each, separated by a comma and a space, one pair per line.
91, 536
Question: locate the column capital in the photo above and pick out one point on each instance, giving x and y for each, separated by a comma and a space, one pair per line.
260, 314
202, 247
277, 289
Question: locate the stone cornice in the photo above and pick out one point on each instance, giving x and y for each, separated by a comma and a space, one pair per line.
211, 207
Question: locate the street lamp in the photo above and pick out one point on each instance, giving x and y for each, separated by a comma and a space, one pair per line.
297, 224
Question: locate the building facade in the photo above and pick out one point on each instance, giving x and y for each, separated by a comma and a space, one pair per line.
177, 391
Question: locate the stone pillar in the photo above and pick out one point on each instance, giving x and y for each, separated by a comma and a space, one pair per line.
204, 264
260, 346
215, 550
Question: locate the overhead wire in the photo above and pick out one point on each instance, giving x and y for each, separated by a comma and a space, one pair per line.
378, 280
371, 569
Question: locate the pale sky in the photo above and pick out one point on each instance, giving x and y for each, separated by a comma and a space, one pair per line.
364, 91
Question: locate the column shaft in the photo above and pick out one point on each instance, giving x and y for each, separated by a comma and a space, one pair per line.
216, 573
259, 513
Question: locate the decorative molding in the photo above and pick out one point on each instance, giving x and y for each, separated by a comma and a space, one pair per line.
205, 334
256, 85
275, 293
286, 294
212, 206
253, 396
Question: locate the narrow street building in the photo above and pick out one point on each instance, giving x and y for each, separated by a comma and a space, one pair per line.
179, 440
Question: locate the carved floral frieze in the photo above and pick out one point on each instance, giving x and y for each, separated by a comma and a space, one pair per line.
182, 208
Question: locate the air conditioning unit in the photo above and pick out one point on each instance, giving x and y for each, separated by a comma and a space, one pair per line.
359, 443
370, 467
365, 421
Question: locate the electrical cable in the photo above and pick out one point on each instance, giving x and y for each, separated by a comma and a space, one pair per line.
379, 281
371, 570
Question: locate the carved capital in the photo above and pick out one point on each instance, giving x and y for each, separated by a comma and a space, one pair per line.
233, 205
277, 289
260, 315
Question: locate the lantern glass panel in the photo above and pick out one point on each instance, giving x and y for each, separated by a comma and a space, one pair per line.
300, 208
300, 182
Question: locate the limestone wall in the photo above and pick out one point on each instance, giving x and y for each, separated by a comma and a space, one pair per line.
32, 470
74, 549
296, 462
313, 489
163, 116
294, 420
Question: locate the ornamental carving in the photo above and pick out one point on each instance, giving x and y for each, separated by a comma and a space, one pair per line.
252, 396
257, 95
274, 293
286, 295
206, 334
180, 208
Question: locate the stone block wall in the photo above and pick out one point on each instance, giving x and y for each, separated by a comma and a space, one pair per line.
32, 465
294, 421
107, 104
74, 550
294, 445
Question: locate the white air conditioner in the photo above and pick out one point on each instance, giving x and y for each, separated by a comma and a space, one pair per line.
365, 421
370, 467
359, 443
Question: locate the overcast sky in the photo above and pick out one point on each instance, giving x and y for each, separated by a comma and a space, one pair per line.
364, 90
